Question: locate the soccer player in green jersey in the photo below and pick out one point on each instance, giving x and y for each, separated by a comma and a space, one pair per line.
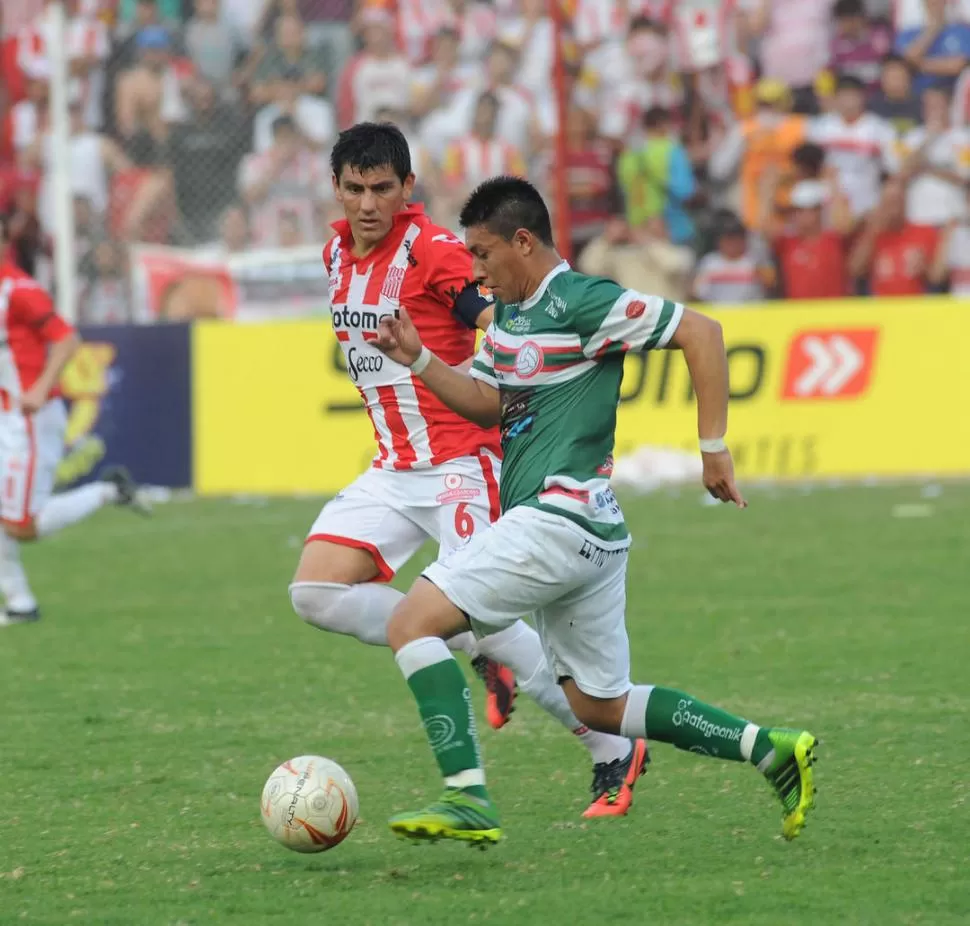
549, 372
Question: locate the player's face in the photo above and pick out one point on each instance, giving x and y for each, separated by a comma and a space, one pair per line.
497, 263
370, 200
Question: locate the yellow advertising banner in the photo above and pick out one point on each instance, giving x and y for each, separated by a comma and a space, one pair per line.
825, 390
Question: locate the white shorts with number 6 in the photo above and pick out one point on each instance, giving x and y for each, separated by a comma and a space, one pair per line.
531, 561
391, 514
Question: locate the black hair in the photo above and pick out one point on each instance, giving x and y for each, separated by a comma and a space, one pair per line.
491, 99
727, 223
850, 82
656, 117
283, 122
372, 145
843, 9
893, 57
504, 205
810, 157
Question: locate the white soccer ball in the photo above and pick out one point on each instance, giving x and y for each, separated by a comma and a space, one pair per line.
309, 804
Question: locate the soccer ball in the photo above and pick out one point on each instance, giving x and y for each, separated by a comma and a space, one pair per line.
309, 804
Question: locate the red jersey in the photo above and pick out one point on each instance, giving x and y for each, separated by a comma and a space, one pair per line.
901, 259
28, 324
813, 268
424, 268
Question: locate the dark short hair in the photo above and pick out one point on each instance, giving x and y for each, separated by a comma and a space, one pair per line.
843, 9
283, 122
850, 82
810, 157
369, 146
655, 117
503, 205
894, 57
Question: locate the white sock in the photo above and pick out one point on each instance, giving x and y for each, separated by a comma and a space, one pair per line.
603, 747
634, 722
360, 611
70, 507
13, 578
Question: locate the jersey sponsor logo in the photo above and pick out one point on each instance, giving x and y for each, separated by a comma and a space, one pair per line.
517, 419
361, 319
636, 308
455, 490
556, 307
597, 555
359, 362
830, 364
518, 324
528, 360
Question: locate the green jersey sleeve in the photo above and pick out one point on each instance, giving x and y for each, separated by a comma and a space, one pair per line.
613, 320
483, 366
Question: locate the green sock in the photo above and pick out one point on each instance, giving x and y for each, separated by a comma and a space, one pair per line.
681, 720
444, 702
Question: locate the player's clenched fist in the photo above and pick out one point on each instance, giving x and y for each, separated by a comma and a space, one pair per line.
398, 338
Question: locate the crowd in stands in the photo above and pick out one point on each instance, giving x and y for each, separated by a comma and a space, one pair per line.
726, 151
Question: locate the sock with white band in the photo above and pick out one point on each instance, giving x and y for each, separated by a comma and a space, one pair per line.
445, 705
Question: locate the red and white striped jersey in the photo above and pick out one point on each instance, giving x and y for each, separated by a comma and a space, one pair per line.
28, 324
19, 14
419, 21
470, 160
599, 21
424, 268
703, 32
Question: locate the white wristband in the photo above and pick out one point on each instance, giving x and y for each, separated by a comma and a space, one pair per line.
422, 361
712, 445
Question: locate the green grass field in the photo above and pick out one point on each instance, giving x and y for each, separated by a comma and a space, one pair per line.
140, 718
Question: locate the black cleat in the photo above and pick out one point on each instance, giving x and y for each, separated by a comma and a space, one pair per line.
129, 494
9, 618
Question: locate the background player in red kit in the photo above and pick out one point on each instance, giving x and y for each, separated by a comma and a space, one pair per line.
435, 474
35, 345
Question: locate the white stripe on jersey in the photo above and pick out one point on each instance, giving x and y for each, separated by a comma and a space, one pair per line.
373, 403
414, 421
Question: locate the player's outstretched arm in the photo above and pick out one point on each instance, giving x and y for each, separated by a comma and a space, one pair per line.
702, 342
471, 398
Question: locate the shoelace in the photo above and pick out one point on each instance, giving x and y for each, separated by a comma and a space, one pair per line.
608, 776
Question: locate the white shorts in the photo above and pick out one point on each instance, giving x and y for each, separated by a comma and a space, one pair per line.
31, 447
531, 561
392, 513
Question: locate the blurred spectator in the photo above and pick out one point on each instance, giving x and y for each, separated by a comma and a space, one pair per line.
427, 174
149, 96
205, 152
811, 257
93, 159
939, 50
289, 60
589, 179
477, 156
233, 237
215, 47
893, 255
312, 114
88, 228
434, 86
378, 76
763, 143
532, 34
794, 43
87, 49
286, 180
935, 164
895, 100
130, 12
104, 297
657, 180
29, 118
732, 274
856, 143
516, 113
141, 201
858, 45
291, 231
643, 259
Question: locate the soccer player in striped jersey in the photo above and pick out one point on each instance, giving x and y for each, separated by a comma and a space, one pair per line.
435, 475
549, 373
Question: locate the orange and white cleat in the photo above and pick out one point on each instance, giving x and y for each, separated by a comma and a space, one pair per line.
501, 687
613, 782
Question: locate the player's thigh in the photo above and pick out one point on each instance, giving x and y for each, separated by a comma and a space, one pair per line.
18, 467
584, 631
50, 425
358, 537
501, 573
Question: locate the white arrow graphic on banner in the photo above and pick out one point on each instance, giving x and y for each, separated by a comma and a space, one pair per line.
835, 360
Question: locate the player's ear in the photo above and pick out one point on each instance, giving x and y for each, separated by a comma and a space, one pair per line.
408, 186
524, 241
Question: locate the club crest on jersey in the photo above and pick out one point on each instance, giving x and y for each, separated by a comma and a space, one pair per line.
528, 360
455, 491
391, 288
485, 294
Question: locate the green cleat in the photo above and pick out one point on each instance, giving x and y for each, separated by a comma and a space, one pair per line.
455, 815
790, 774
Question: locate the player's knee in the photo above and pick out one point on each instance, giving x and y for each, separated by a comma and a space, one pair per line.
22, 531
322, 604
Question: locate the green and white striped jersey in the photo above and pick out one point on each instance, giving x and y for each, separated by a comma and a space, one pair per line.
557, 360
